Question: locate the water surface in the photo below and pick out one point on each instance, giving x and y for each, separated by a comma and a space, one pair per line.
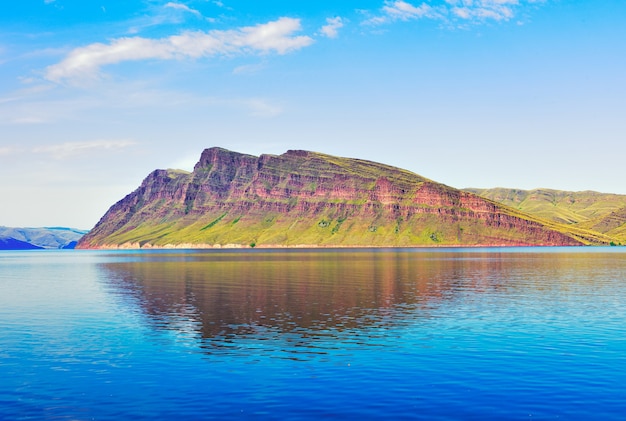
507, 333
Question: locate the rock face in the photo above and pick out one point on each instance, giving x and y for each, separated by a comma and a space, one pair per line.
305, 198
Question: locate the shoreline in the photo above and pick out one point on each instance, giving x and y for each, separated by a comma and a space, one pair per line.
202, 246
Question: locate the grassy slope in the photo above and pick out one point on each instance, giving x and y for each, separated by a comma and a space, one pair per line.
324, 231
332, 228
160, 223
603, 213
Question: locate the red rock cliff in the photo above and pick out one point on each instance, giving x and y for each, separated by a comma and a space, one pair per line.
308, 198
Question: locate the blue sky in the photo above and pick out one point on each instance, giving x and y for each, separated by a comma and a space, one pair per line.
471, 93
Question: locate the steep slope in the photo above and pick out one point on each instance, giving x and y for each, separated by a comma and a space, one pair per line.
305, 198
603, 213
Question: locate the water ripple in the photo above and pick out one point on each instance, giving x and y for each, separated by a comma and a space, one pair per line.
442, 334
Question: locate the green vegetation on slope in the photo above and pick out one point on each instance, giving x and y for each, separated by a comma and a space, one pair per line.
274, 229
601, 213
307, 198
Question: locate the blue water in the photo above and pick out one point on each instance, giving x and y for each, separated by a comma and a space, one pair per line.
514, 333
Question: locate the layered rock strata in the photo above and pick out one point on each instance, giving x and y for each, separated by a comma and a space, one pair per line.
303, 198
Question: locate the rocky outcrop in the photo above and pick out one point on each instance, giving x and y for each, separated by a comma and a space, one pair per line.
303, 197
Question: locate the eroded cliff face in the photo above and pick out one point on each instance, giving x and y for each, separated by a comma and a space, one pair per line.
305, 198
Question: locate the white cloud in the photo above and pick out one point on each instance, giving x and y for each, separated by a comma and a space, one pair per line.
405, 11
401, 10
483, 9
69, 149
84, 63
332, 27
460, 11
182, 7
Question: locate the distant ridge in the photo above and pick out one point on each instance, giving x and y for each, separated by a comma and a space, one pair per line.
13, 244
604, 213
38, 238
303, 198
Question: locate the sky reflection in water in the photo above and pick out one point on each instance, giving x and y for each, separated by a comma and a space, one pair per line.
437, 334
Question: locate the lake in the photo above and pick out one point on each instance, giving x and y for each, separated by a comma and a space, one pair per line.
493, 333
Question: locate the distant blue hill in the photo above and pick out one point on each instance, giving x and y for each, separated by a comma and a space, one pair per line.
39, 238
13, 244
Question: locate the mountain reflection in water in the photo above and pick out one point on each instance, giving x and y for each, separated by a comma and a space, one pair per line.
222, 297
308, 334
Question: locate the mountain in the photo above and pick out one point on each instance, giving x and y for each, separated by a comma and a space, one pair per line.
48, 237
613, 225
8, 243
303, 198
604, 213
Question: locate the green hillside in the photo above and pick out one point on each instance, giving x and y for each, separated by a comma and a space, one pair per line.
303, 198
604, 213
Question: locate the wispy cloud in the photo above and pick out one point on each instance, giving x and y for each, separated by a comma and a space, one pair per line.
248, 69
36, 105
401, 10
182, 7
460, 11
38, 109
260, 108
8, 150
170, 13
331, 29
483, 9
25, 93
84, 63
406, 11
50, 105
70, 149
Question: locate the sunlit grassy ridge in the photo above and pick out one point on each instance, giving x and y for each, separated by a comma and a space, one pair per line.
305, 198
602, 213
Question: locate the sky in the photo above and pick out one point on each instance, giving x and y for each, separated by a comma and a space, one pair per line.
94, 95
